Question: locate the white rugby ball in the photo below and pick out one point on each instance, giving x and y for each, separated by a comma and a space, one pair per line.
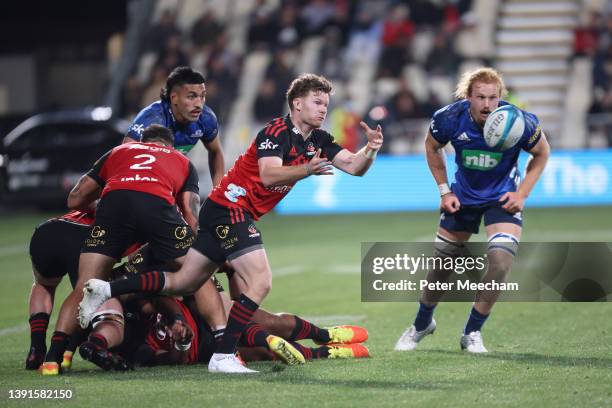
504, 127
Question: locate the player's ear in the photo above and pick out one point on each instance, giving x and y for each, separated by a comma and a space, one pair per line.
297, 104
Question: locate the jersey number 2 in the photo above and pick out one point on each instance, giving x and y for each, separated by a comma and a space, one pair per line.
141, 166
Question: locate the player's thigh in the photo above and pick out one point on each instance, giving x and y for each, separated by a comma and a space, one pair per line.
196, 269
253, 269
497, 220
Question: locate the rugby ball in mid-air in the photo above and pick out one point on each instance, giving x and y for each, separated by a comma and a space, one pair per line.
504, 127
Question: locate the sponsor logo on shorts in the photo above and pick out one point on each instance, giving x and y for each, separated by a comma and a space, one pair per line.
480, 159
229, 243
137, 259
180, 232
253, 233
185, 243
518, 216
222, 231
97, 232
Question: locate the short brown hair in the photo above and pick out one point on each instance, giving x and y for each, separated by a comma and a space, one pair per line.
305, 83
483, 74
158, 133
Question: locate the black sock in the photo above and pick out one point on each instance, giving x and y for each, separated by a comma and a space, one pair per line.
75, 340
38, 330
306, 330
254, 335
59, 341
311, 353
150, 282
240, 315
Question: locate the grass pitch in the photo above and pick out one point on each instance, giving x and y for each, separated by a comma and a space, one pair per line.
542, 354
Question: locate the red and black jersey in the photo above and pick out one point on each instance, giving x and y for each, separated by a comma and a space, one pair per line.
242, 188
79, 217
146, 167
166, 344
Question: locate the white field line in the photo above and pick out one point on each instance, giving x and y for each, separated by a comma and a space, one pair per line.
7, 250
14, 329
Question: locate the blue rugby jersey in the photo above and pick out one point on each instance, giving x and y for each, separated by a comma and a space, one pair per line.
185, 135
483, 173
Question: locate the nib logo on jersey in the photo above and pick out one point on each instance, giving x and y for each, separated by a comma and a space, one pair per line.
480, 159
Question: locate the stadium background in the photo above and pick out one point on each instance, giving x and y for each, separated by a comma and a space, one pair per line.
392, 62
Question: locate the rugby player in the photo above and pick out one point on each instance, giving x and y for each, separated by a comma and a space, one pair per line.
140, 186
174, 333
287, 150
182, 109
491, 190
55, 247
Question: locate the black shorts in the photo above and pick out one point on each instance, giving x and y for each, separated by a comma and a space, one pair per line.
55, 248
226, 233
468, 218
124, 217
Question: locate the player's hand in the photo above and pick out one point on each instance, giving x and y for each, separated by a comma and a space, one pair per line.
180, 332
450, 203
319, 166
514, 202
375, 137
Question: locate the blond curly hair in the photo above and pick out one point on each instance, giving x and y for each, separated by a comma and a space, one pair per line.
483, 74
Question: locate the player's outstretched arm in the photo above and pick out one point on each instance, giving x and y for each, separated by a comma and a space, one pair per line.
437, 166
515, 201
357, 164
273, 173
84, 195
216, 160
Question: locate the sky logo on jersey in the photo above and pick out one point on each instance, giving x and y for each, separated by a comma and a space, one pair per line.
267, 145
480, 159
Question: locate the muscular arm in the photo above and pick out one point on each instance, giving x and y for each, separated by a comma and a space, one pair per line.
273, 173
216, 160
540, 154
435, 159
357, 164
189, 204
84, 195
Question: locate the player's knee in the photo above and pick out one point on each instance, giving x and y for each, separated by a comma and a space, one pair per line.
446, 247
504, 243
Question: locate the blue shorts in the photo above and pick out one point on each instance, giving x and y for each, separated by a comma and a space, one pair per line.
468, 218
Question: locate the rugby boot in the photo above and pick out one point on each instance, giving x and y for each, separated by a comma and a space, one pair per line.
103, 358
227, 363
285, 351
472, 343
50, 368
348, 351
346, 335
93, 297
35, 358
411, 337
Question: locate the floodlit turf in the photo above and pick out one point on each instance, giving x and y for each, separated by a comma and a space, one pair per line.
542, 354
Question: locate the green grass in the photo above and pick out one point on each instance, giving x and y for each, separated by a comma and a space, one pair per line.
542, 354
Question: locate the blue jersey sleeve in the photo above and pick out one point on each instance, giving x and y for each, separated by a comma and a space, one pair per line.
209, 124
443, 123
146, 117
532, 132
